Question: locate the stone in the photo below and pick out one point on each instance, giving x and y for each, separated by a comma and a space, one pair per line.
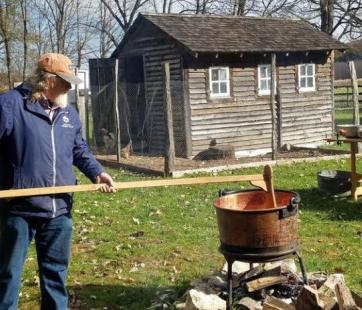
197, 300
210, 285
317, 278
238, 267
217, 282
248, 303
286, 147
216, 152
328, 287
287, 265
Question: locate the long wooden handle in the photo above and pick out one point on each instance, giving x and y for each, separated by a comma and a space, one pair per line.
12, 193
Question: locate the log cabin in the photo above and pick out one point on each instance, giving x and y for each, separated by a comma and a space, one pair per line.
221, 82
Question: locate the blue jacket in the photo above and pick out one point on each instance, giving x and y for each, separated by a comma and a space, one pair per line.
38, 152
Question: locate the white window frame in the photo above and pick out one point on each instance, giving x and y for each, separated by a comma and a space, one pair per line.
306, 76
227, 80
264, 91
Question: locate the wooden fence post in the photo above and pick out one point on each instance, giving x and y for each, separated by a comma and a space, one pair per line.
272, 106
169, 143
333, 93
352, 71
76, 92
118, 130
86, 105
79, 105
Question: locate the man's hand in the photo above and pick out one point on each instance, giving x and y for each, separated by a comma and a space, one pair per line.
107, 183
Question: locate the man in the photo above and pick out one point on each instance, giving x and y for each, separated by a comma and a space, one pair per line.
40, 140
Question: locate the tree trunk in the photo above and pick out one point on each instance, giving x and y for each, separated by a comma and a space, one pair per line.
327, 10
197, 6
204, 3
8, 61
79, 45
240, 7
24, 12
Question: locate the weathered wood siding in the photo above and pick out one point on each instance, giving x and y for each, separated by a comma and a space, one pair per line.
244, 119
156, 49
306, 117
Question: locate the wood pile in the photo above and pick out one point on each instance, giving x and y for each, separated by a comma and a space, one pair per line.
272, 286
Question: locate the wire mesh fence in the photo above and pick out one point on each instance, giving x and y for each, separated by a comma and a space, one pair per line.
142, 127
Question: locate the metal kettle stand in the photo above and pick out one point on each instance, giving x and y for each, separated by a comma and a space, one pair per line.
231, 257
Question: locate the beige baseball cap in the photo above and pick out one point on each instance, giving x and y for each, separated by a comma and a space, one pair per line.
60, 65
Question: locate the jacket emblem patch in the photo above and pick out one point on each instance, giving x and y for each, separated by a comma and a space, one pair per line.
66, 122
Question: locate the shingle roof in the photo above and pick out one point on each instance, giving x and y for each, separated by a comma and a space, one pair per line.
209, 33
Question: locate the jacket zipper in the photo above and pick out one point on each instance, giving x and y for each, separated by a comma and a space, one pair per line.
54, 169
54, 205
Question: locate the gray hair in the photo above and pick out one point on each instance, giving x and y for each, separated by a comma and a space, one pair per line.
39, 83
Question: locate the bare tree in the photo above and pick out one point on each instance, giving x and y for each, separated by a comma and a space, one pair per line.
340, 18
239, 7
274, 8
7, 33
24, 17
163, 6
60, 17
124, 12
107, 30
236, 7
327, 15
84, 31
348, 19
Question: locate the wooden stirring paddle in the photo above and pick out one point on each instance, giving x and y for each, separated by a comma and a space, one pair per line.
268, 178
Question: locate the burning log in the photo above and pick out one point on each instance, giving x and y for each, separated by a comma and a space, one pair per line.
345, 299
273, 303
269, 289
264, 282
309, 299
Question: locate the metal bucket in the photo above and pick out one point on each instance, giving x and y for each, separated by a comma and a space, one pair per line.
248, 223
333, 182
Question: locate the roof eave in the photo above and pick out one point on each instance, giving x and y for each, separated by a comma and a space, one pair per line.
230, 51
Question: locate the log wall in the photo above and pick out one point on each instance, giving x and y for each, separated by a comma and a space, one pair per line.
244, 119
306, 117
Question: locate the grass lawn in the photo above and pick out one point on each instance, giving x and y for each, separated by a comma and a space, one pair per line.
132, 246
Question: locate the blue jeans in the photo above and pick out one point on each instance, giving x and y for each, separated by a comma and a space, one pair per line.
52, 241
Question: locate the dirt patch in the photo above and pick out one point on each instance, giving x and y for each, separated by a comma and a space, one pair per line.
155, 164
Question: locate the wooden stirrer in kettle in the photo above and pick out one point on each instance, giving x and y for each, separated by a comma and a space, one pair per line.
267, 183
268, 178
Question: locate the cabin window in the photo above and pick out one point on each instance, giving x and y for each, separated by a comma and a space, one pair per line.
306, 77
219, 82
264, 79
